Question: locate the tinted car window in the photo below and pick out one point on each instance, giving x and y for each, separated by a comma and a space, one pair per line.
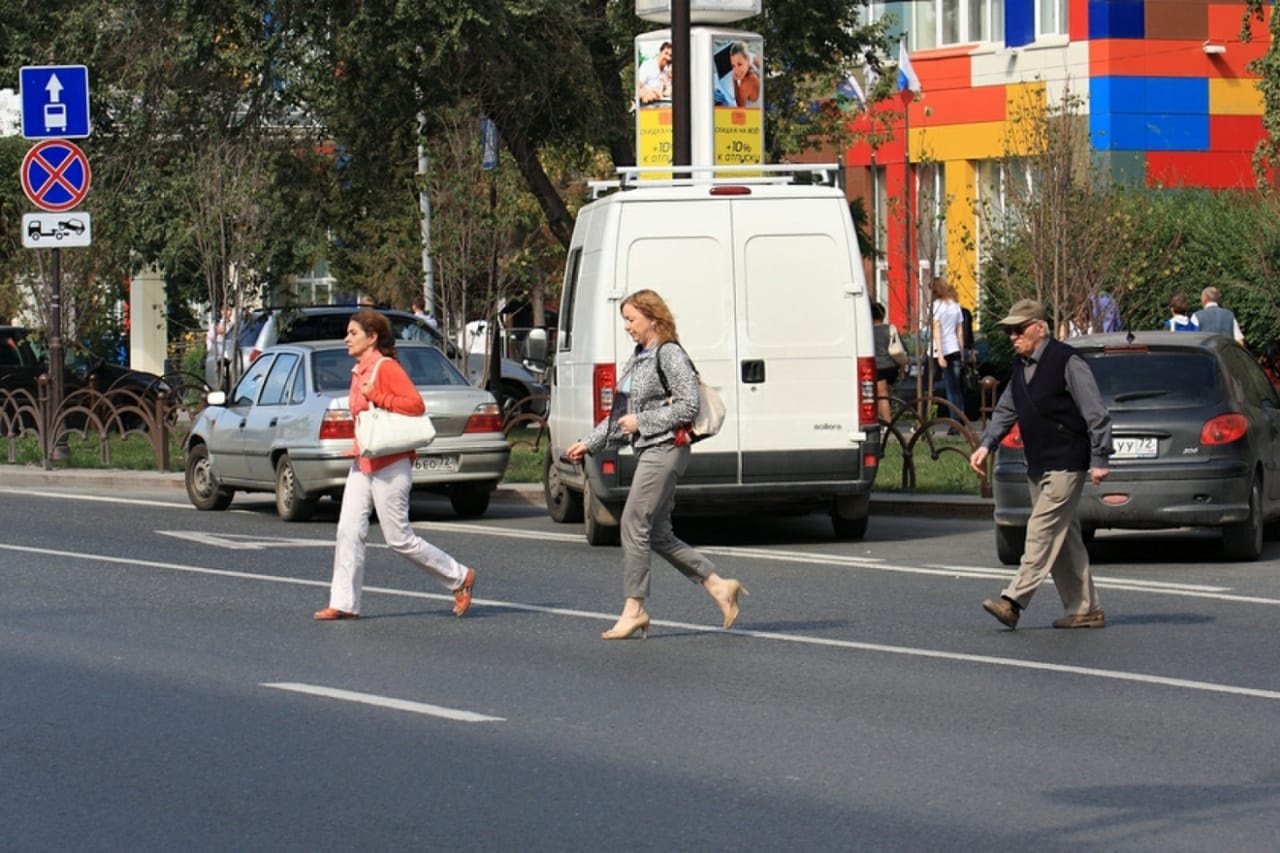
1150, 379
250, 330
274, 388
313, 327
430, 367
1253, 382
332, 369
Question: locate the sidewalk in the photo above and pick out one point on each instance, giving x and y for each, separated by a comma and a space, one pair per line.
19, 476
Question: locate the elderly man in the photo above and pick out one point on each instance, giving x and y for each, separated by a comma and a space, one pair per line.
1214, 318
1066, 433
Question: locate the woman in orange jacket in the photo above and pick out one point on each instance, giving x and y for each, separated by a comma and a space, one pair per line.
382, 482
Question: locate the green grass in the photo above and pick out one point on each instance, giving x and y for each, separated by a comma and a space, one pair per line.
131, 453
948, 474
525, 465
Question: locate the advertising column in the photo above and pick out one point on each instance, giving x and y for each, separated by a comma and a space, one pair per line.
728, 99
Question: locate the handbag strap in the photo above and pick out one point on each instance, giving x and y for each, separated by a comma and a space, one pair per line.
657, 361
373, 376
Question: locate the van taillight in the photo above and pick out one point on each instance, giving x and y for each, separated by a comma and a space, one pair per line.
1013, 439
604, 380
867, 416
487, 417
337, 423
1224, 429
253, 355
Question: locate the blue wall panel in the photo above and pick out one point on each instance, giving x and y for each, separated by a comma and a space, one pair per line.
1116, 19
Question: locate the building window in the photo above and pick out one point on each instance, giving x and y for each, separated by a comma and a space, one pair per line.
1051, 17
937, 23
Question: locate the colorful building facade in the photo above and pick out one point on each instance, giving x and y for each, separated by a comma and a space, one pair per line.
1164, 84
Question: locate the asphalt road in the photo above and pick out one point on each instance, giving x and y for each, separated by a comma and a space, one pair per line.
166, 688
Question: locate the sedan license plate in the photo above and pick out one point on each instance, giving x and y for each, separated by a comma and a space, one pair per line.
436, 463
1129, 447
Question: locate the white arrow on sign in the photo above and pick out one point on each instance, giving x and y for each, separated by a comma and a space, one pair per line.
54, 88
236, 542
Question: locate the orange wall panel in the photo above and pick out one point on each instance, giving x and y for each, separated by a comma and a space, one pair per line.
1225, 20
962, 106
1234, 133
1210, 169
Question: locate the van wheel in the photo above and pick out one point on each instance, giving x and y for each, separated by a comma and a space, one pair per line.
564, 505
600, 525
291, 503
1010, 543
203, 489
849, 516
1243, 541
470, 500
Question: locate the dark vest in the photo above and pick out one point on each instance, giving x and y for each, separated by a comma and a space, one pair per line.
1218, 320
1054, 432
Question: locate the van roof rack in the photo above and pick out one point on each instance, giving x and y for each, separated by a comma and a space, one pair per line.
630, 177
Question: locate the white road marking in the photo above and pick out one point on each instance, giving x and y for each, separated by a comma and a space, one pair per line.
802, 639
385, 702
242, 542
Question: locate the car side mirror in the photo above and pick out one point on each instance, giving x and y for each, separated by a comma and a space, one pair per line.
216, 398
535, 346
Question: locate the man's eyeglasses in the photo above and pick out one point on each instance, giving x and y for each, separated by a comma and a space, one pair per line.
1016, 331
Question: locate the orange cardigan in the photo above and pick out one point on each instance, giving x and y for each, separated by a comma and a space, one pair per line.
394, 391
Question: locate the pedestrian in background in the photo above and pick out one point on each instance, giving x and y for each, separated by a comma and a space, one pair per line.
1066, 434
1179, 321
890, 359
382, 483
1214, 318
948, 343
655, 424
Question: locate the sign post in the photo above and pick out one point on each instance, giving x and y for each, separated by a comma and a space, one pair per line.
55, 177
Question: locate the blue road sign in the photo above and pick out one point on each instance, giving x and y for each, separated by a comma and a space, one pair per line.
55, 101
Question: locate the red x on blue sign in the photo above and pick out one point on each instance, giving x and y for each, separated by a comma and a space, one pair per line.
55, 175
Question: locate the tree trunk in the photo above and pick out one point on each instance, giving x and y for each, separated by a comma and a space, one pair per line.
558, 218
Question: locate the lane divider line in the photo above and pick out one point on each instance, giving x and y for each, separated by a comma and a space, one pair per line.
384, 702
801, 639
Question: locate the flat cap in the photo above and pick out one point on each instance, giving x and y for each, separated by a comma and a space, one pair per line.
1024, 311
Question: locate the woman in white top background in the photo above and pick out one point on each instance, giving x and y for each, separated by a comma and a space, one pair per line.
948, 343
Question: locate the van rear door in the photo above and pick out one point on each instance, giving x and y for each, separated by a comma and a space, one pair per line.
797, 287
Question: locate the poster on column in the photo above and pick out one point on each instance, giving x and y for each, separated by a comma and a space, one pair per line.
653, 101
738, 94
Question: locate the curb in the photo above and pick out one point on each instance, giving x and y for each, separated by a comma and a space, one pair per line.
528, 494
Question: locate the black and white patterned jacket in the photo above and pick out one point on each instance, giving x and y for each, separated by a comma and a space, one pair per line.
658, 417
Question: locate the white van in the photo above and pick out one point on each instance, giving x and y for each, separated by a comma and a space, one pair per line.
770, 300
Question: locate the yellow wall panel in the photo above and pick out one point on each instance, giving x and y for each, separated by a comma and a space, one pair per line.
962, 262
979, 141
1234, 97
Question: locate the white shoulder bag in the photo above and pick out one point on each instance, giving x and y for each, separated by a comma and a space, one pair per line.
380, 432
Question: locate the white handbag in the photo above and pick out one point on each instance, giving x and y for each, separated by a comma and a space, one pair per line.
380, 432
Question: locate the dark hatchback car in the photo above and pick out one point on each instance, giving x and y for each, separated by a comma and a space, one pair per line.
1195, 438
23, 362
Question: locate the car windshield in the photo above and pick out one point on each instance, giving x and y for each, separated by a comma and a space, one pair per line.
1155, 379
425, 366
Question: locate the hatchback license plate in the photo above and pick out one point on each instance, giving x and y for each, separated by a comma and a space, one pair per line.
1144, 447
436, 463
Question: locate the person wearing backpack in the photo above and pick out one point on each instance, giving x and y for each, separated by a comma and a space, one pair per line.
1180, 321
654, 421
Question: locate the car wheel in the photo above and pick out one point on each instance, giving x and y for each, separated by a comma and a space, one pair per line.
1243, 541
203, 488
599, 524
1010, 543
849, 516
291, 503
564, 505
470, 500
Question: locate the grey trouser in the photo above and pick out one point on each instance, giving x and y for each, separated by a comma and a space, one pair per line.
1054, 544
646, 521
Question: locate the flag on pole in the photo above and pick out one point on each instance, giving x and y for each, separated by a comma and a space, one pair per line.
907, 79
849, 88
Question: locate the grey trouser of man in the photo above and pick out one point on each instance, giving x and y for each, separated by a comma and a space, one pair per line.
1054, 544
646, 521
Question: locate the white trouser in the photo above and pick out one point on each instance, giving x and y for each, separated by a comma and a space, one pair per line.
386, 490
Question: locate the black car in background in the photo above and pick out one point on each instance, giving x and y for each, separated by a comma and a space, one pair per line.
23, 361
1195, 438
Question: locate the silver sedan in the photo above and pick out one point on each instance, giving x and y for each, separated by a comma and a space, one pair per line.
286, 428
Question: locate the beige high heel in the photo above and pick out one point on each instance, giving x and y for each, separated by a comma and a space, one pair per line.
627, 626
733, 587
